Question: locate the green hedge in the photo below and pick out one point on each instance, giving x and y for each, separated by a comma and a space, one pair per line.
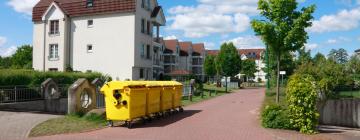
10, 77
275, 116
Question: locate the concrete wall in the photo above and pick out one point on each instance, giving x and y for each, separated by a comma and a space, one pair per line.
35, 106
344, 112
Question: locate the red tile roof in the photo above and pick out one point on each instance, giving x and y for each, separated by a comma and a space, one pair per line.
180, 72
74, 8
171, 44
212, 52
199, 48
185, 46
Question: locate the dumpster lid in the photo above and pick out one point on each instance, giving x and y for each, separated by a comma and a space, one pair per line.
169, 83
123, 84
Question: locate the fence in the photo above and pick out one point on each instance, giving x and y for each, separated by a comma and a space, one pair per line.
10, 94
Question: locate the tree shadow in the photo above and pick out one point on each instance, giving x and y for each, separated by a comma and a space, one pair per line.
335, 129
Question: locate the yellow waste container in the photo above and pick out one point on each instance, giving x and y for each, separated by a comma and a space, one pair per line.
153, 97
124, 101
166, 103
177, 97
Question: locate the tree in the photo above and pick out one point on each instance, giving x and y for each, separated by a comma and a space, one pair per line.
339, 56
283, 28
318, 58
209, 66
5, 63
354, 64
22, 57
248, 67
303, 56
228, 61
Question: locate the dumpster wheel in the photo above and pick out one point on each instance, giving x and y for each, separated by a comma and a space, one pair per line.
129, 124
110, 123
181, 109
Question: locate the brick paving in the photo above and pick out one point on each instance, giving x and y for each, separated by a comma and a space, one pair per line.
17, 125
229, 117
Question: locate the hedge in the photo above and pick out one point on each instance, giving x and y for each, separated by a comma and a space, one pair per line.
11, 77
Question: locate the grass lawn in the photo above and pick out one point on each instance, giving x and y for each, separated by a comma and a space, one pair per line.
270, 97
76, 124
349, 94
68, 124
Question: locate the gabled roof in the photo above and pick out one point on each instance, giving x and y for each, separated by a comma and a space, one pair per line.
171, 44
199, 48
185, 48
74, 8
249, 53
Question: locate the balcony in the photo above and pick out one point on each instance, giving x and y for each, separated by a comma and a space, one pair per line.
197, 62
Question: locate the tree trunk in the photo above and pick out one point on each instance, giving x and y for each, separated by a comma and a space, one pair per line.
226, 84
278, 79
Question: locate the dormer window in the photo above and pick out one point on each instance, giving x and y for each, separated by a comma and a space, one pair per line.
89, 3
54, 27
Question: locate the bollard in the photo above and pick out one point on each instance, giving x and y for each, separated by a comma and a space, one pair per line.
190, 97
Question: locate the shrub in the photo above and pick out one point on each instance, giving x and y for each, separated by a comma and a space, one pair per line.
33, 78
301, 97
274, 116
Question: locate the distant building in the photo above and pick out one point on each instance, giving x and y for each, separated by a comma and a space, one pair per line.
357, 51
255, 54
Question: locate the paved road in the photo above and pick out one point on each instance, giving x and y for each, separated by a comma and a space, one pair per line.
230, 117
17, 125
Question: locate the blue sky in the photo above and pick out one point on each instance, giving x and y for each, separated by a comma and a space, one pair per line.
336, 23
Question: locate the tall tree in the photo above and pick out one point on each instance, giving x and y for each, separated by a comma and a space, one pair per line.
249, 68
209, 66
319, 58
332, 54
303, 56
228, 61
22, 57
342, 56
283, 28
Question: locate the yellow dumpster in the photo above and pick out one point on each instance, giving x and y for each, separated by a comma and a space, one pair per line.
153, 97
178, 87
166, 96
124, 101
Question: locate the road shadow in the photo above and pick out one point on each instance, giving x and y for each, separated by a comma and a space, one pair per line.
336, 129
164, 121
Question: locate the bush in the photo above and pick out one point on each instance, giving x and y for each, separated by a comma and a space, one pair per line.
274, 116
33, 78
301, 97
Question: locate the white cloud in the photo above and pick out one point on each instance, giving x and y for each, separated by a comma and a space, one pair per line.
344, 20
311, 46
213, 17
3, 40
23, 6
7, 51
209, 45
170, 37
246, 42
338, 40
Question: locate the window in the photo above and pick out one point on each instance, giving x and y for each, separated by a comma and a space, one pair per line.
148, 52
148, 27
90, 23
89, 3
53, 51
142, 3
142, 25
141, 73
54, 27
89, 48
53, 69
142, 51
148, 5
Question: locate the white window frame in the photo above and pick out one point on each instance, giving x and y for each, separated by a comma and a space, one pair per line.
89, 50
56, 27
53, 52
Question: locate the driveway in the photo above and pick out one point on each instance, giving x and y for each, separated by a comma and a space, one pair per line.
229, 117
17, 125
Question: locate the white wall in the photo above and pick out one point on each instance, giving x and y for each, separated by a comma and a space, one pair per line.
112, 38
38, 46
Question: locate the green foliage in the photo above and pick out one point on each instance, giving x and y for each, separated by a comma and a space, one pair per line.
5, 62
304, 56
249, 68
339, 56
32, 78
275, 116
22, 57
301, 96
319, 58
209, 66
228, 60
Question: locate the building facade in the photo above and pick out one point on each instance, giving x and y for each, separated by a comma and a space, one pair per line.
357, 51
254, 54
112, 37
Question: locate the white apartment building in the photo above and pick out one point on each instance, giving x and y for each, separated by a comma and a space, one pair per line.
114, 37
